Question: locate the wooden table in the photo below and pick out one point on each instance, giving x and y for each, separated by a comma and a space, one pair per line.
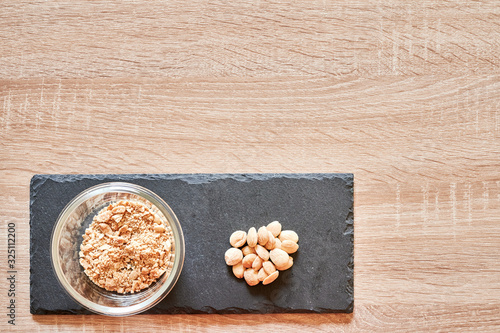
404, 94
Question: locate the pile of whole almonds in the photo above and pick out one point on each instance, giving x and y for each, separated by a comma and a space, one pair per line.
259, 255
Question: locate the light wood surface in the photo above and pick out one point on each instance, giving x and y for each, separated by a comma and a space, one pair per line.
404, 94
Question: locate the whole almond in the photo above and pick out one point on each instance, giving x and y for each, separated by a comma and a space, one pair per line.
262, 274
287, 266
279, 257
238, 270
247, 250
270, 278
252, 237
268, 267
289, 247
238, 238
262, 252
248, 260
290, 235
251, 277
274, 227
233, 256
271, 242
277, 244
262, 236
257, 263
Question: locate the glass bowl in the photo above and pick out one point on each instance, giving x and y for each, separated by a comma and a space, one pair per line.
67, 238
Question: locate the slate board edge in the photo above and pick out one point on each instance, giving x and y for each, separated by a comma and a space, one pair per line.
32, 307
191, 178
199, 178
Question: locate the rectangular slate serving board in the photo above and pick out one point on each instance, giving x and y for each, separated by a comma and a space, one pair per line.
319, 207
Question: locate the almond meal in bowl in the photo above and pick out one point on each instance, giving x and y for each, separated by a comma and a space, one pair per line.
117, 249
126, 247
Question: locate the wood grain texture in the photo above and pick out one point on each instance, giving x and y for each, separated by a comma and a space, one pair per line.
404, 95
247, 38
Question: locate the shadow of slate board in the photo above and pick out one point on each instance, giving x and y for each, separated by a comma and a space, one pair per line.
319, 207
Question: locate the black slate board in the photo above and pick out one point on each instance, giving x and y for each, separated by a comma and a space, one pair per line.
319, 207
